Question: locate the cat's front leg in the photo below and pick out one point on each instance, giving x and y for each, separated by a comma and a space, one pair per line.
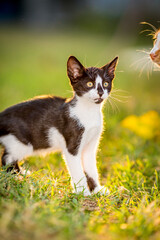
90, 169
78, 178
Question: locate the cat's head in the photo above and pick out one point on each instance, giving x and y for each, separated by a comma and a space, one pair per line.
91, 83
155, 52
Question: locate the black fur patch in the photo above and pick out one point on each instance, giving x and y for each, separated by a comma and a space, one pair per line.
91, 183
30, 122
15, 167
100, 90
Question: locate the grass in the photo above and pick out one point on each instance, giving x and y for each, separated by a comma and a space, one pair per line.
42, 205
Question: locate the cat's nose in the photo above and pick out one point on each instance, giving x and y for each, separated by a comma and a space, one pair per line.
100, 90
100, 94
153, 55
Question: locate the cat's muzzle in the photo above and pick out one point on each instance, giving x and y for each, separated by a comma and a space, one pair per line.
98, 100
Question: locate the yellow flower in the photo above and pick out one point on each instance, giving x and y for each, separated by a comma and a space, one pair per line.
146, 125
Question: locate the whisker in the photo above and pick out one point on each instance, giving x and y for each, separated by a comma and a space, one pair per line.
121, 95
119, 90
143, 51
145, 63
143, 67
115, 105
147, 30
112, 106
150, 65
139, 61
153, 27
108, 105
117, 95
118, 100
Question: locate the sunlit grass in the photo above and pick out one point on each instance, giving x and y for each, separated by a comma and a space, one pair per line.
42, 205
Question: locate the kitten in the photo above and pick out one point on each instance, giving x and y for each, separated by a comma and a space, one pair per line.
155, 52
72, 126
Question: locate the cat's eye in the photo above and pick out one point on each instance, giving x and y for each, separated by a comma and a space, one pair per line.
89, 84
105, 84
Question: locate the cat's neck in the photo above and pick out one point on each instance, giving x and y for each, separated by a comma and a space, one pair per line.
85, 103
88, 113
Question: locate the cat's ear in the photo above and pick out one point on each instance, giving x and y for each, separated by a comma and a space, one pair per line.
75, 69
110, 67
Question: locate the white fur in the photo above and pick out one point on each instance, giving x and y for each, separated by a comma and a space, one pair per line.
56, 140
98, 81
156, 46
74, 165
87, 112
16, 150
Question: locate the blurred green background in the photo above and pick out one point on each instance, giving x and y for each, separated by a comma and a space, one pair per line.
36, 39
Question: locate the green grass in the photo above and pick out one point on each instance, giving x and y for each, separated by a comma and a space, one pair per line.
42, 205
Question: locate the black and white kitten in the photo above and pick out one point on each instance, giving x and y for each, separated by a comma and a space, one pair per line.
72, 126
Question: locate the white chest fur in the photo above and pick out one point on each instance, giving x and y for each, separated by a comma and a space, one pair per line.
88, 113
90, 116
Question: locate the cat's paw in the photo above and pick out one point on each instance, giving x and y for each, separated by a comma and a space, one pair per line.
101, 190
86, 193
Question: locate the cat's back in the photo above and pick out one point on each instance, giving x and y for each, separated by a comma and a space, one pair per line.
30, 113
34, 106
